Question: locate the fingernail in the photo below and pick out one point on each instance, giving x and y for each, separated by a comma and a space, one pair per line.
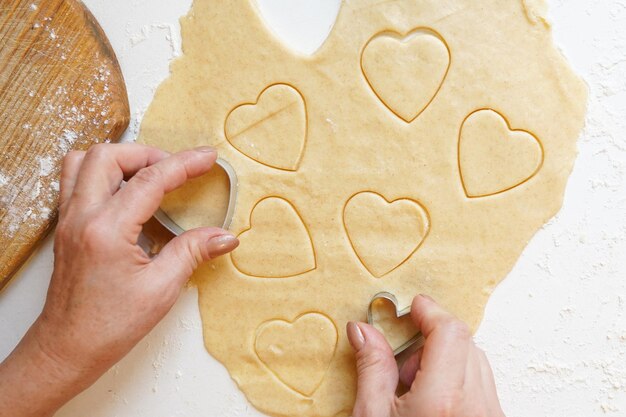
221, 245
205, 149
428, 297
355, 336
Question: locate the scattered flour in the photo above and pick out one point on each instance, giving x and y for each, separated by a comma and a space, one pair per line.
67, 141
46, 165
563, 351
171, 36
70, 122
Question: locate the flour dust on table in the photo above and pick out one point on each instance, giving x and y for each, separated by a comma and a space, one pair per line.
417, 151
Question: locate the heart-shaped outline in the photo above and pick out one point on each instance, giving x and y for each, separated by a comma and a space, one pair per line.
428, 226
166, 221
250, 227
403, 38
418, 339
292, 323
511, 130
256, 103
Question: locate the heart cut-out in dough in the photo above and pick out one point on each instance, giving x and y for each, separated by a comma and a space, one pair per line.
406, 72
273, 130
277, 244
384, 234
302, 25
494, 158
298, 353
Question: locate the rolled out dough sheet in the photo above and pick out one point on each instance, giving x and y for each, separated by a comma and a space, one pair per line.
417, 151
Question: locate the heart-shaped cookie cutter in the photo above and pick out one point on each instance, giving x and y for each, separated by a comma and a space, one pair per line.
167, 222
418, 339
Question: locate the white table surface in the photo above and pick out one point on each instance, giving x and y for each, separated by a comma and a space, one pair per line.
555, 330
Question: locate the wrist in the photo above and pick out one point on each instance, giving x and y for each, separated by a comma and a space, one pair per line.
35, 382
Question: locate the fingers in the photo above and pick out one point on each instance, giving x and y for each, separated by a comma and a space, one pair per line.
473, 375
69, 175
489, 385
428, 315
448, 342
409, 369
485, 370
182, 255
105, 166
143, 194
376, 369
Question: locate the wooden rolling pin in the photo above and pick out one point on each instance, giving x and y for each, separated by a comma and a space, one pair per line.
61, 88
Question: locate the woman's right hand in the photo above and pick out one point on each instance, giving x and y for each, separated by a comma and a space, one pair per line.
448, 377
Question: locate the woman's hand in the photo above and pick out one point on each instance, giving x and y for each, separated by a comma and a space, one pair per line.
448, 377
106, 294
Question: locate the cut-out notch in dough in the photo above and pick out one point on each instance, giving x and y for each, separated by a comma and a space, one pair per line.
298, 353
406, 72
302, 25
383, 233
272, 130
494, 158
277, 243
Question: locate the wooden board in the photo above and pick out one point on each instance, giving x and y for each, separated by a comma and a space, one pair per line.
61, 88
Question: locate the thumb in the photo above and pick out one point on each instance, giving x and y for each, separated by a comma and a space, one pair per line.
376, 369
183, 254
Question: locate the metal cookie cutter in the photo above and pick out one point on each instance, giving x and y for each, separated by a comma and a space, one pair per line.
418, 339
167, 222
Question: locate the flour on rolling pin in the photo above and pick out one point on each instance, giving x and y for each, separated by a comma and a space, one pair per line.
61, 89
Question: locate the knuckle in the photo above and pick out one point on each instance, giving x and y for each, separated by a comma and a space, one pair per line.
69, 165
444, 409
481, 353
95, 234
197, 253
98, 151
151, 176
370, 360
448, 404
70, 156
63, 232
188, 168
366, 409
458, 329
180, 169
188, 255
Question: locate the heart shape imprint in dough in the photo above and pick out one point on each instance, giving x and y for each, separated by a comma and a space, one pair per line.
384, 234
493, 158
406, 72
298, 353
277, 244
273, 130
302, 25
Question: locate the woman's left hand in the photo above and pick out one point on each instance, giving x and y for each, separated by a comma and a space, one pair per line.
106, 294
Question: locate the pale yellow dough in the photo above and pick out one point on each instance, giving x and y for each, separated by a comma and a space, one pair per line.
416, 152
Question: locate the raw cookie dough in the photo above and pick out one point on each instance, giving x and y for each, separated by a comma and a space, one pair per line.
462, 111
